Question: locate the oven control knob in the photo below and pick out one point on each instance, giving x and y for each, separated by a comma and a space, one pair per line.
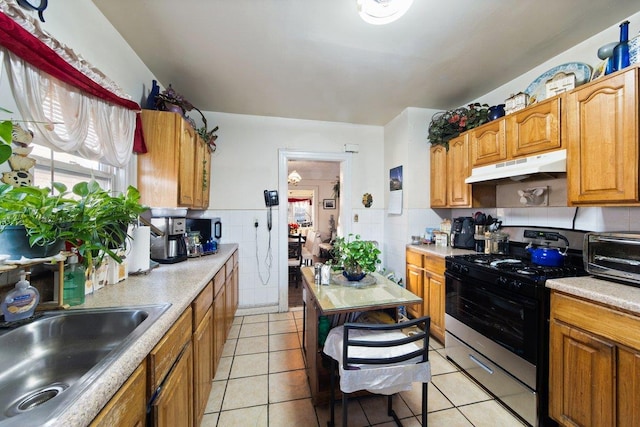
502, 281
516, 284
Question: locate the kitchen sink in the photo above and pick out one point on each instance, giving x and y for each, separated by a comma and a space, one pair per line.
48, 363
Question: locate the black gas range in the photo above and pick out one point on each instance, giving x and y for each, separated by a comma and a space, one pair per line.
515, 273
497, 321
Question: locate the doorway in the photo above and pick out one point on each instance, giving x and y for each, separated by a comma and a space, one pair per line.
342, 204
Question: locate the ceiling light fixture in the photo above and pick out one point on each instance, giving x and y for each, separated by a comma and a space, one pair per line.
380, 12
294, 178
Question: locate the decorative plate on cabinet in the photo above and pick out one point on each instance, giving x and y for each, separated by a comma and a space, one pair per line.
537, 89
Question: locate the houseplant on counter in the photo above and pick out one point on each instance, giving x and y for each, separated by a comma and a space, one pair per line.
357, 257
88, 217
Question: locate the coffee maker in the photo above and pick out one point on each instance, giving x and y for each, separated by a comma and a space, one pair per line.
167, 240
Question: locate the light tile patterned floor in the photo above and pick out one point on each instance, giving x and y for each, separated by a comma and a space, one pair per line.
261, 382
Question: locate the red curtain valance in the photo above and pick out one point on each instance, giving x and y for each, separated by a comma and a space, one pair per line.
293, 200
24, 44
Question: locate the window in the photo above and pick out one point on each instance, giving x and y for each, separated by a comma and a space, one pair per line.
66, 168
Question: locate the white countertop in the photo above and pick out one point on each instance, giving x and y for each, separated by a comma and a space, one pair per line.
613, 294
177, 284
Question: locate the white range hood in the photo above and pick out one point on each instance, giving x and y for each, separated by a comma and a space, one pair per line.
519, 169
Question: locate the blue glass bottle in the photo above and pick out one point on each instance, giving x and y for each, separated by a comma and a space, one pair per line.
621, 51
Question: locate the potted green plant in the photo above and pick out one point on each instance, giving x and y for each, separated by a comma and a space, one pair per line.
91, 219
357, 256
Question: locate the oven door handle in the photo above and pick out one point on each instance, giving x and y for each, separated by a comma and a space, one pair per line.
479, 363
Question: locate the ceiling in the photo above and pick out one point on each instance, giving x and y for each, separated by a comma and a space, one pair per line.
315, 170
316, 59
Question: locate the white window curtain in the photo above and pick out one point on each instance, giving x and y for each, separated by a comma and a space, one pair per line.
84, 125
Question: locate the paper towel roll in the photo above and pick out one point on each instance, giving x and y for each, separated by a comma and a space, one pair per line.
138, 257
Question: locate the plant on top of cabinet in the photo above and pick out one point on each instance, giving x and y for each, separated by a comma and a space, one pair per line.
446, 125
170, 100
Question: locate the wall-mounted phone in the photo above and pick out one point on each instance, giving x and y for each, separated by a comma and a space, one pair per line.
271, 198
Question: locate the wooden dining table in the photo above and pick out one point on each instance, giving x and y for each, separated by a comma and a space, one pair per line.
342, 301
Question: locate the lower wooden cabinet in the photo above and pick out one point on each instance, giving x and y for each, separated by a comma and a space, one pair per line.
128, 407
594, 364
174, 405
425, 278
176, 377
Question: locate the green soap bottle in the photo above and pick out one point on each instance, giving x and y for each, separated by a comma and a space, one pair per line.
74, 279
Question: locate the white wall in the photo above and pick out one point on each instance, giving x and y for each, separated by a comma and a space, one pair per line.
246, 163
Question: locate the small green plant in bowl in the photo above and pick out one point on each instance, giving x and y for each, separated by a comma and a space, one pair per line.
357, 256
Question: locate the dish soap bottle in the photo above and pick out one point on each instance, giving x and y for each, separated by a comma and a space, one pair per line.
21, 302
74, 279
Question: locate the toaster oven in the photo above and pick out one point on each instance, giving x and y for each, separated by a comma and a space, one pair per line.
613, 255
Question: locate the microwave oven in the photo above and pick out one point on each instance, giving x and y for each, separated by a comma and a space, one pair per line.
613, 255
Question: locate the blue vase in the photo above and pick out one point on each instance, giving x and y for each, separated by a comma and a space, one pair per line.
151, 99
621, 51
496, 112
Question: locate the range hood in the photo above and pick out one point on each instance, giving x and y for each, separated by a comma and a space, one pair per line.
519, 169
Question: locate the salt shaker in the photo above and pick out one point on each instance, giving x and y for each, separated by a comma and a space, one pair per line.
317, 272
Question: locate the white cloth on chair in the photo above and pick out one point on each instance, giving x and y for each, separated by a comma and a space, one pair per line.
311, 247
381, 379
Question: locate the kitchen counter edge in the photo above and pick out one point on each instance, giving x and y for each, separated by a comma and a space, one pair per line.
441, 251
178, 284
613, 294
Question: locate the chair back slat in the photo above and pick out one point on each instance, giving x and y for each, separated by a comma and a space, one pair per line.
420, 338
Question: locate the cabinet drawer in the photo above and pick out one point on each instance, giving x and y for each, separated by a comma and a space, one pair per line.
165, 353
434, 264
604, 321
201, 304
218, 281
229, 266
414, 258
129, 405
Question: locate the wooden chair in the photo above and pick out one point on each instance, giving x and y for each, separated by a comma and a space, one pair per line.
381, 358
295, 258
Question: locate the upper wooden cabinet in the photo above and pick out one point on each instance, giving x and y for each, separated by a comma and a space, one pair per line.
438, 176
458, 193
488, 143
535, 129
602, 141
449, 169
171, 173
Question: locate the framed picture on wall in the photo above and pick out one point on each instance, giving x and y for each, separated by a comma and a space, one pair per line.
329, 203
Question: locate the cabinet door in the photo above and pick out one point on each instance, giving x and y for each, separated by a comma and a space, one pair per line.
458, 193
161, 133
187, 173
602, 141
535, 129
415, 285
198, 182
202, 367
488, 143
436, 306
219, 329
438, 176
581, 371
628, 388
206, 179
174, 405
128, 407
